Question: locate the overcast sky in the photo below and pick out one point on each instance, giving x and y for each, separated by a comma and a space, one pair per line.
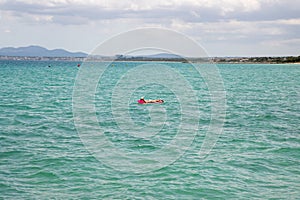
222, 27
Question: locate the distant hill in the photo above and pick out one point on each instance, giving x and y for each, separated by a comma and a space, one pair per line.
37, 51
162, 55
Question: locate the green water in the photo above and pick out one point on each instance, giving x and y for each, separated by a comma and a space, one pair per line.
42, 156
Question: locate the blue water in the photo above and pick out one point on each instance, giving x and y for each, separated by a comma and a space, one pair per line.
43, 156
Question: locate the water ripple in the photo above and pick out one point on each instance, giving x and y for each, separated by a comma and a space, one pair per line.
256, 157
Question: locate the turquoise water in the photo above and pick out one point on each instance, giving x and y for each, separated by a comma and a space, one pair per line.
42, 156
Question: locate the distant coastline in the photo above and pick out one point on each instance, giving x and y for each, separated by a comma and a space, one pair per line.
249, 60
38, 53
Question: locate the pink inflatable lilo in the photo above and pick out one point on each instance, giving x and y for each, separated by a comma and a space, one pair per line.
143, 101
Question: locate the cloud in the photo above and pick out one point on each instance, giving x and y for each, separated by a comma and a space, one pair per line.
212, 21
156, 11
189, 10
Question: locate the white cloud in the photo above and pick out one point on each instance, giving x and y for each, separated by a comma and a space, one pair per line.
232, 28
156, 10
290, 21
283, 43
213, 21
228, 6
141, 5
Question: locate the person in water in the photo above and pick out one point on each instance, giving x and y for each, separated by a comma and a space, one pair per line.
142, 100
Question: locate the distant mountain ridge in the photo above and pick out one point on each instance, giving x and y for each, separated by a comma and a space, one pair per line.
164, 55
161, 55
37, 51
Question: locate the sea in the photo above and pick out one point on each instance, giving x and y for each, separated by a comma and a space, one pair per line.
224, 131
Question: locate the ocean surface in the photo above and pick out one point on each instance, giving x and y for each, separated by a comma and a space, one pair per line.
51, 148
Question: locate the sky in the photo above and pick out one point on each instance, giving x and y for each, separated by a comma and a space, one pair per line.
221, 27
